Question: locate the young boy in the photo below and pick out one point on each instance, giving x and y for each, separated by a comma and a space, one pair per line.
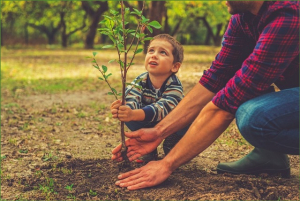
160, 92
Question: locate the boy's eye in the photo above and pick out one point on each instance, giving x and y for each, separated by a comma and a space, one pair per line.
163, 52
150, 50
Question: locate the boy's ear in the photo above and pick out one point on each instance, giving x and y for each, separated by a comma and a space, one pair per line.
176, 67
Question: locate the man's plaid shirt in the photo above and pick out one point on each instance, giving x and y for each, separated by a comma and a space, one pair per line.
256, 52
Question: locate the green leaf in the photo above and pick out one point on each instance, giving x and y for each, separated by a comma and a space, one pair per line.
130, 64
121, 63
114, 90
103, 21
111, 61
150, 29
107, 46
144, 20
114, 12
110, 93
130, 31
104, 68
137, 11
105, 32
120, 46
136, 35
106, 16
106, 76
139, 51
96, 66
95, 53
119, 94
100, 78
148, 38
155, 24
93, 61
88, 57
111, 38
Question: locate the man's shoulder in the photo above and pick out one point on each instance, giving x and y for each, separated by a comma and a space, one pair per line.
282, 5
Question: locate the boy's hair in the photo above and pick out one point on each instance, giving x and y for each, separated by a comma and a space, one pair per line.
177, 47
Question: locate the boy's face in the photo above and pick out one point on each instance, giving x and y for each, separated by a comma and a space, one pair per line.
159, 59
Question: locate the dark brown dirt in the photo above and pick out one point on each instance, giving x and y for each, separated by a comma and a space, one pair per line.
94, 180
57, 150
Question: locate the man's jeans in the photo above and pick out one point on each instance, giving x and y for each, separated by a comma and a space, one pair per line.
271, 121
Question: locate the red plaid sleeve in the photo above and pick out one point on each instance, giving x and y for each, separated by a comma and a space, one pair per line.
276, 48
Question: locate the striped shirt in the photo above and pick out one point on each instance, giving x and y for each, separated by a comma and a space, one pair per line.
257, 50
156, 105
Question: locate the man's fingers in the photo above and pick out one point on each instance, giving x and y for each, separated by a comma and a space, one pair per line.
134, 134
133, 155
125, 176
139, 185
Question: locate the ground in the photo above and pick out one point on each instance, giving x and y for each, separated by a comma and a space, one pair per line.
70, 160
57, 146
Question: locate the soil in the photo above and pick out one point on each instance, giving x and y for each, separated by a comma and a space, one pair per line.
57, 147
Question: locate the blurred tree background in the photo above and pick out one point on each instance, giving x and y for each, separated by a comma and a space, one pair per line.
75, 23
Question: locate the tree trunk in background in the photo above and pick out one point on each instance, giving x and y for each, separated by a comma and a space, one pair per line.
95, 16
218, 37
50, 32
64, 37
26, 34
156, 12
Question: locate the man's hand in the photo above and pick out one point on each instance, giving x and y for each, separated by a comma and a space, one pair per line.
140, 142
152, 174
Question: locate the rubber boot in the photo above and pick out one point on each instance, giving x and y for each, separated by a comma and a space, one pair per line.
148, 157
256, 162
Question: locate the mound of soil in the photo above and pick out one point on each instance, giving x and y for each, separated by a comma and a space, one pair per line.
94, 180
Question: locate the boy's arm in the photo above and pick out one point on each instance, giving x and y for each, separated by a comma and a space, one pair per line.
171, 96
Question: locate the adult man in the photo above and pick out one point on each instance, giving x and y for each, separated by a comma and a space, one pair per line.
260, 47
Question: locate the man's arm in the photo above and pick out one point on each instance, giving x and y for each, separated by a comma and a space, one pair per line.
144, 141
185, 112
206, 128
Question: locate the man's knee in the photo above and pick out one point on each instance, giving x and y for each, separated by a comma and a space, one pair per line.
248, 120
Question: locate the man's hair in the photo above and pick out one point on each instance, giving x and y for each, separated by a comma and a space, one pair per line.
177, 47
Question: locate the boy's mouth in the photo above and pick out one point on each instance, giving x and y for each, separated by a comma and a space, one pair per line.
153, 63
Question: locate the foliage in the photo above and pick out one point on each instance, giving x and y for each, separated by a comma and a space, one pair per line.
182, 20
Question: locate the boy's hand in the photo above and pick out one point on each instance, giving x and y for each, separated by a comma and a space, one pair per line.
122, 112
125, 113
115, 107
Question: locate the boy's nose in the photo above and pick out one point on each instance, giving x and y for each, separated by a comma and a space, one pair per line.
154, 55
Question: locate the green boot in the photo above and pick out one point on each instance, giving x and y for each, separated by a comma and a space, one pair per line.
256, 162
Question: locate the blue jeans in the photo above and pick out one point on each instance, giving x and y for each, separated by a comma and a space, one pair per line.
136, 125
271, 121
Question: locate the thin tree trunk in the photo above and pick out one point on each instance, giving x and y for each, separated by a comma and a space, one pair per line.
156, 12
95, 16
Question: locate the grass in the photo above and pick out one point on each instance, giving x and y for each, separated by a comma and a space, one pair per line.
35, 71
48, 187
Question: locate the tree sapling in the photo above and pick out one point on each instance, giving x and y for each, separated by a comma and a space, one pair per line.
123, 38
